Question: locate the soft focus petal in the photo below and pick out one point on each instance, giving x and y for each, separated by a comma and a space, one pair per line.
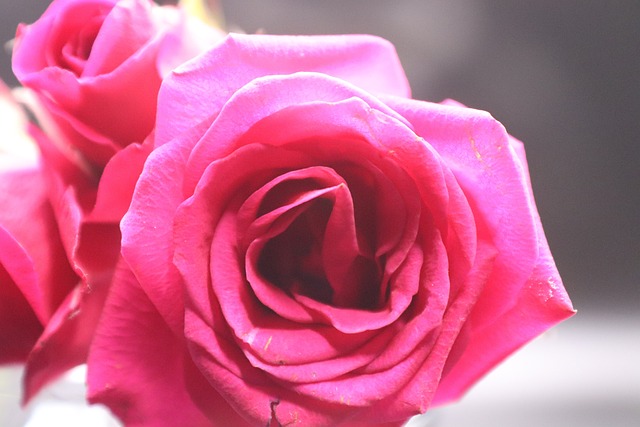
19, 325
189, 38
35, 274
26, 214
92, 249
118, 181
97, 66
123, 32
17, 148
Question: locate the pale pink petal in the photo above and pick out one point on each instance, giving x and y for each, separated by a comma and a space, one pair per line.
542, 303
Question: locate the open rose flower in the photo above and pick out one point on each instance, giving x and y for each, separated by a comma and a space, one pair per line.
308, 246
98, 64
93, 69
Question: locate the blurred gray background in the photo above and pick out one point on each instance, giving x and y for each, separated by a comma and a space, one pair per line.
564, 77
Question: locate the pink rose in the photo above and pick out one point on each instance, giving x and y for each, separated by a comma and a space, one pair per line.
35, 275
98, 64
307, 245
95, 67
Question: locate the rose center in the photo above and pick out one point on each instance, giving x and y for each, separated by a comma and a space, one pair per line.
321, 254
293, 260
73, 46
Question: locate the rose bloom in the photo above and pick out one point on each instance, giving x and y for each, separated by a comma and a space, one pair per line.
35, 275
308, 245
93, 69
97, 66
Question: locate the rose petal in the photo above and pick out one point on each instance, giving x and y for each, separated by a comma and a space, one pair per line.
68, 334
47, 39
242, 112
134, 351
19, 325
313, 123
44, 275
542, 303
483, 160
417, 395
121, 173
195, 269
248, 391
93, 250
124, 31
147, 229
365, 61
84, 58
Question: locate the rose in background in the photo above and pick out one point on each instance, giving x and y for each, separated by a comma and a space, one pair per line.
35, 274
306, 244
93, 69
96, 65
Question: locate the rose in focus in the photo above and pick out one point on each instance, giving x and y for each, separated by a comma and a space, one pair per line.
306, 244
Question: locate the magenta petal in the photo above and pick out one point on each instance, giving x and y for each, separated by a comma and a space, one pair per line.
93, 249
523, 296
423, 386
36, 274
84, 58
75, 137
250, 391
231, 128
365, 61
147, 230
68, 334
194, 263
19, 325
45, 276
542, 303
137, 365
118, 181
45, 40
124, 31
63, 344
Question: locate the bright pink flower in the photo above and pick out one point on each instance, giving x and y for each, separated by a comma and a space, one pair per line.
98, 64
35, 275
95, 67
308, 245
